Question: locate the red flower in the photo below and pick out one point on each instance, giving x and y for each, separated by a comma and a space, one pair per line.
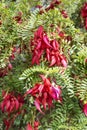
10, 66
60, 32
84, 10
7, 123
85, 109
68, 38
36, 124
38, 6
86, 60
44, 93
53, 55
29, 127
39, 45
64, 13
84, 14
11, 103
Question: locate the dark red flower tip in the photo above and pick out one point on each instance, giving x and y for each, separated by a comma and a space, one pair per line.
85, 109
39, 44
84, 10
51, 6
18, 18
86, 60
38, 6
64, 13
68, 38
0, 22
57, 2
10, 66
61, 34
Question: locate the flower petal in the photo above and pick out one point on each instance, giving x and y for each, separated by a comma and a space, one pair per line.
16, 104
44, 100
8, 105
85, 109
53, 61
29, 127
37, 104
46, 41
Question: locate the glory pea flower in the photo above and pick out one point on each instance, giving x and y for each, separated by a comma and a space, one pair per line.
44, 93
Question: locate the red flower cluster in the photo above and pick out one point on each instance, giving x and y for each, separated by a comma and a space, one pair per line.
44, 93
54, 56
11, 103
42, 45
29, 127
84, 14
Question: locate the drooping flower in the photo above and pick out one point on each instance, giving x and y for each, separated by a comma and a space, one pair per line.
39, 45
50, 49
53, 55
84, 10
44, 93
11, 103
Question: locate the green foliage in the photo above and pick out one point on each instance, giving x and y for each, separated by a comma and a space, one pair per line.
67, 115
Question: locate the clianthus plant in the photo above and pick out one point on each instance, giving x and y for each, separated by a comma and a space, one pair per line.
43, 65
